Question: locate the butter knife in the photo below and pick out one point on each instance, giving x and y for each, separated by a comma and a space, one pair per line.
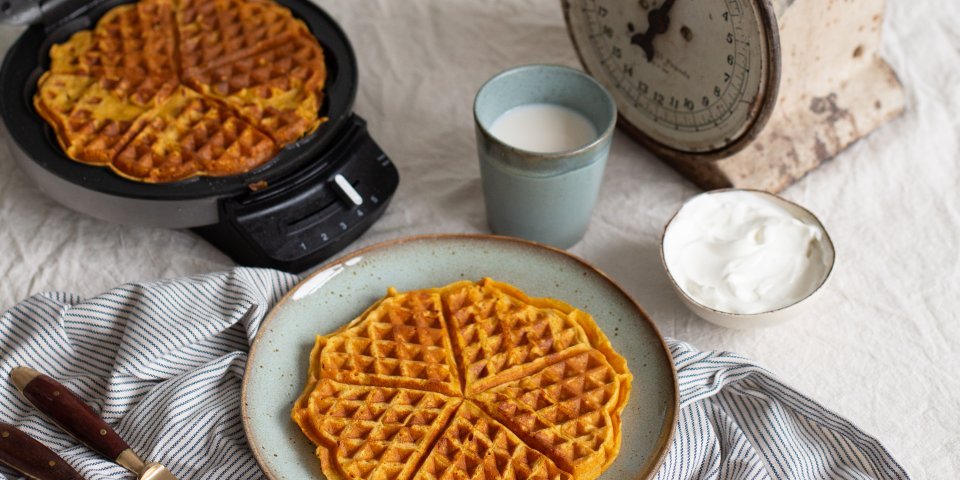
26, 455
65, 409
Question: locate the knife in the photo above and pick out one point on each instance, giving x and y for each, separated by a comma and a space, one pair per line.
22, 453
65, 409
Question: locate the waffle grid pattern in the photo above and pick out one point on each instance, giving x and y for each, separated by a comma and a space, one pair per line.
164, 90
391, 395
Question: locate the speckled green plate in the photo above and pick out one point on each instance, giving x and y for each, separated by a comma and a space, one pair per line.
341, 290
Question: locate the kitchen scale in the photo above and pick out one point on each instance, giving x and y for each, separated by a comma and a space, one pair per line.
739, 93
314, 198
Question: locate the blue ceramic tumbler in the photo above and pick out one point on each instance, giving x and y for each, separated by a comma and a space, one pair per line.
544, 197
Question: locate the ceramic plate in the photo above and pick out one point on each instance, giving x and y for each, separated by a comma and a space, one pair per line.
340, 291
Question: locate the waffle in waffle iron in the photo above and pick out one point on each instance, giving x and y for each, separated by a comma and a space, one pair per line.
163, 90
467, 381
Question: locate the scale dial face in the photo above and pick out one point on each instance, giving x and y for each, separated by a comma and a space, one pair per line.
688, 76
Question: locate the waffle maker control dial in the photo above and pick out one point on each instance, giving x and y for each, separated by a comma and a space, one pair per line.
346, 190
306, 219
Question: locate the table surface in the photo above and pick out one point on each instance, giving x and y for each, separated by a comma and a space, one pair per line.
881, 347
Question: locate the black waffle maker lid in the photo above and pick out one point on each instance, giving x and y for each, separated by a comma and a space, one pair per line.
315, 197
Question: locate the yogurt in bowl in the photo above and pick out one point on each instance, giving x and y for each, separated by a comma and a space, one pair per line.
745, 258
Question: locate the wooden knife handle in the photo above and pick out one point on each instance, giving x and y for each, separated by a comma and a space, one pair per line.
22, 453
64, 408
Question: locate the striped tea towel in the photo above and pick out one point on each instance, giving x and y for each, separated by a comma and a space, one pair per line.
739, 422
162, 362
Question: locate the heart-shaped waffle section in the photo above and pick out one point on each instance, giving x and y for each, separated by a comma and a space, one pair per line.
376, 432
258, 70
565, 409
499, 386
402, 341
475, 446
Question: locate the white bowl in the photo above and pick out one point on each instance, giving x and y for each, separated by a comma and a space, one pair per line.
762, 319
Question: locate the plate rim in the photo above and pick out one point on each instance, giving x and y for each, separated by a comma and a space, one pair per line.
665, 439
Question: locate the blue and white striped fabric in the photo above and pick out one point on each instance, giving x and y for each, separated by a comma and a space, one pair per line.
163, 361
738, 422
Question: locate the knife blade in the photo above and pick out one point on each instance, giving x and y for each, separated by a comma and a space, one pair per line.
72, 415
26, 455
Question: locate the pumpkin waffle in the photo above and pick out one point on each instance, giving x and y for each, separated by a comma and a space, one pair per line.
401, 341
218, 32
193, 135
133, 40
498, 385
279, 89
567, 409
92, 122
475, 446
501, 334
371, 432
250, 64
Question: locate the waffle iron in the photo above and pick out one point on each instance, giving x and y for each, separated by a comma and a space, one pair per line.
315, 197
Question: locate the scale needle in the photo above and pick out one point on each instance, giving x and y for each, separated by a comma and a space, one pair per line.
659, 21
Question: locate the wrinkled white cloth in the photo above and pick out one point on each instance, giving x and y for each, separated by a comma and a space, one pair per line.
880, 347
163, 361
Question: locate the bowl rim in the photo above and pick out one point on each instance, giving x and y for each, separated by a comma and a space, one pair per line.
758, 315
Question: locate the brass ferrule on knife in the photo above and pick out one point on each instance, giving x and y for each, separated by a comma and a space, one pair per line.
21, 376
74, 416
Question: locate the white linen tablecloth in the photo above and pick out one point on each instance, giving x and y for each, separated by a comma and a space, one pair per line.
879, 349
